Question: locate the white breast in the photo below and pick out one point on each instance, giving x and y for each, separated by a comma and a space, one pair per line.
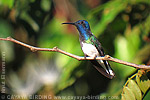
90, 50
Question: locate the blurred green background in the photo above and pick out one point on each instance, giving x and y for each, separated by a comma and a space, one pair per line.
122, 27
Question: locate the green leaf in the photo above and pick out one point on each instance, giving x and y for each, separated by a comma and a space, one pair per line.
147, 96
135, 89
46, 5
139, 87
145, 85
143, 54
112, 9
123, 97
122, 52
9, 3
128, 94
134, 41
143, 82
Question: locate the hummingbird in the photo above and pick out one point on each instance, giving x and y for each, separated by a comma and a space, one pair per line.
91, 47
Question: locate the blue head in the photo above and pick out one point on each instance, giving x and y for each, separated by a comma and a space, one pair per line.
83, 27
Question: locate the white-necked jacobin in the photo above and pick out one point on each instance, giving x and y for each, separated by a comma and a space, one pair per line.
92, 47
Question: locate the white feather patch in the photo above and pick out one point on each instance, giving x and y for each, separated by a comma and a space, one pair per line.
89, 50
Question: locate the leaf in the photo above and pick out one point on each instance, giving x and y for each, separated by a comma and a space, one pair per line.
139, 87
46, 5
147, 96
9, 3
143, 82
122, 52
128, 94
145, 85
111, 10
135, 89
142, 54
123, 97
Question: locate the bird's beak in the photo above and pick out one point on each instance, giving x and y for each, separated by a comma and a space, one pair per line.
69, 23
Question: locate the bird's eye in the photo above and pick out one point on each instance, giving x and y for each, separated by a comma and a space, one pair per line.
83, 24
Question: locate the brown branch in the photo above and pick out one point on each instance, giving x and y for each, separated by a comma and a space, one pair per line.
55, 49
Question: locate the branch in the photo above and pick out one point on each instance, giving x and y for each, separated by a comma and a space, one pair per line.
55, 49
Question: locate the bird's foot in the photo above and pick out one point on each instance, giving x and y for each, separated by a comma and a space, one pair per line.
94, 57
85, 57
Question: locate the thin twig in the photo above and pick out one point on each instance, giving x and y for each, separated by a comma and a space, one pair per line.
55, 49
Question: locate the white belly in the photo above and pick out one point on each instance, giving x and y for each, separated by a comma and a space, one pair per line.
90, 50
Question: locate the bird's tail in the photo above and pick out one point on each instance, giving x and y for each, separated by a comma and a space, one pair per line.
104, 68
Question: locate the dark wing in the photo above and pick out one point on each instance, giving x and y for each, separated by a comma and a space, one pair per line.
97, 64
101, 69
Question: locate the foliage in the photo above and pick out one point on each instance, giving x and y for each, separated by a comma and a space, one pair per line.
138, 88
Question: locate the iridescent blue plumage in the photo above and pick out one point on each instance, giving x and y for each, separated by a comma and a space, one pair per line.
92, 47
83, 28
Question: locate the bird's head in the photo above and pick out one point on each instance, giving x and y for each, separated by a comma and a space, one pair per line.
82, 25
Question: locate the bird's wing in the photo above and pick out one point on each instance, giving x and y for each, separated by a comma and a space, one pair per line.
97, 44
104, 67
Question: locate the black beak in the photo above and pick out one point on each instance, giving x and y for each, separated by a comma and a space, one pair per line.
69, 23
